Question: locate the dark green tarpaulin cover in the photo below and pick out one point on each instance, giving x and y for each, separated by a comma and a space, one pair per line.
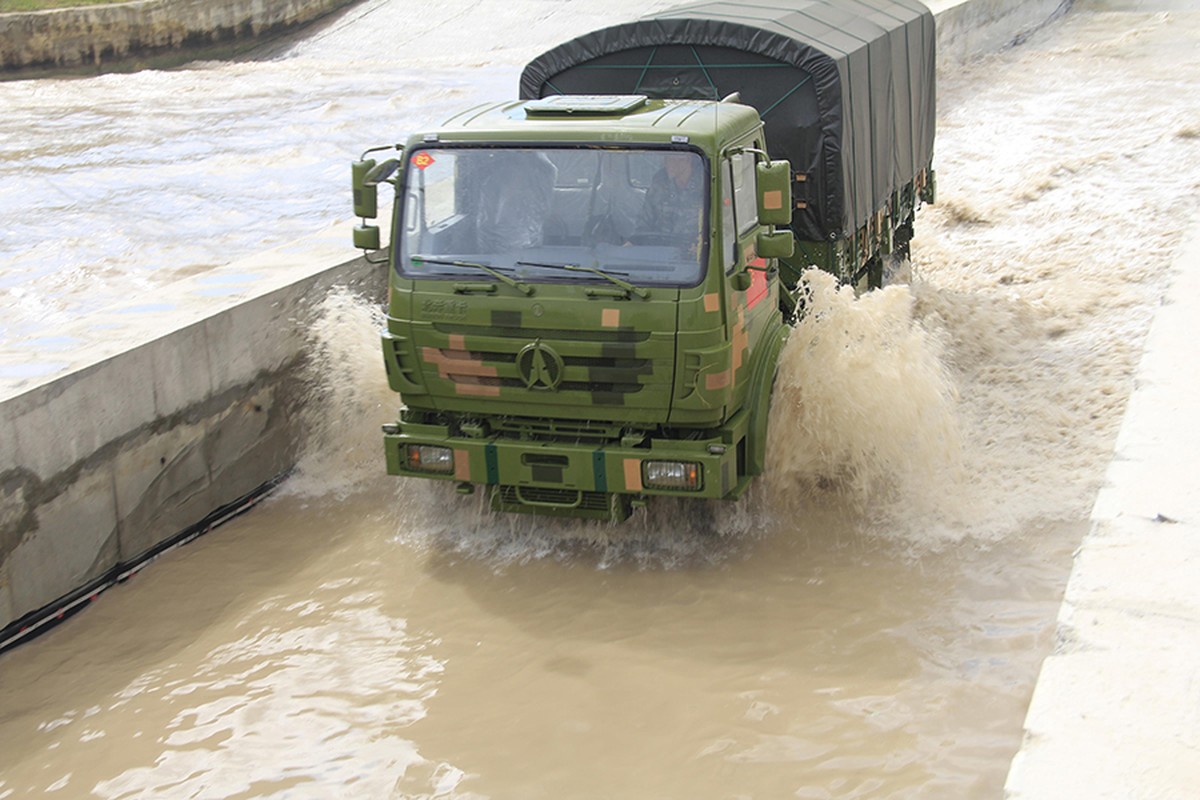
845, 87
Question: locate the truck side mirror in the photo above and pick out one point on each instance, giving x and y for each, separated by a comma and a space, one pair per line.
366, 237
774, 193
365, 177
366, 195
776, 244
740, 281
381, 172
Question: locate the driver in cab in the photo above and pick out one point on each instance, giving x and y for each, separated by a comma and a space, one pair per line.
673, 202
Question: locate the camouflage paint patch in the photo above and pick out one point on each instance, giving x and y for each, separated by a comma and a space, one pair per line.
712, 302
453, 364
491, 463
544, 473
621, 370
470, 376
608, 399
599, 471
758, 288
772, 200
462, 465
506, 319
610, 317
718, 380
740, 342
458, 341
618, 350
469, 387
633, 474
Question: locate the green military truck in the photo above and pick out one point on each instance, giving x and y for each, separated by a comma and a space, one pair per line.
589, 287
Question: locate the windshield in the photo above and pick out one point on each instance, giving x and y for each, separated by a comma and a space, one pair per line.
529, 212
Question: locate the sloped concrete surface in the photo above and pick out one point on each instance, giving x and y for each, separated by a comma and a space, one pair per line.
189, 403
1116, 710
966, 29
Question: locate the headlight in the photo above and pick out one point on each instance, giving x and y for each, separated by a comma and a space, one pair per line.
430, 458
671, 475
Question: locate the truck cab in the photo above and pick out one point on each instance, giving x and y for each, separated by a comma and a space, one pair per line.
584, 305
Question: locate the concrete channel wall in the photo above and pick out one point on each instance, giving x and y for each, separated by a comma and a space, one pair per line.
97, 35
1116, 711
196, 407
191, 400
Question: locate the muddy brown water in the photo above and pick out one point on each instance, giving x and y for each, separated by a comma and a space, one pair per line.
869, 623
317, 650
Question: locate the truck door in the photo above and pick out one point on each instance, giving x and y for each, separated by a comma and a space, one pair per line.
747, 312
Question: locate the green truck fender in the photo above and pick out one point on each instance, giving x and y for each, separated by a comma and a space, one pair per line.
759, 402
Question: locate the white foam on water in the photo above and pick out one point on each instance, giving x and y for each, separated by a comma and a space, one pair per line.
348, 399
863, 411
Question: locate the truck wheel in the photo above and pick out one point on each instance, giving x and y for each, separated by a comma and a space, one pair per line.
902, 240
764, 385
897, 270
875, 273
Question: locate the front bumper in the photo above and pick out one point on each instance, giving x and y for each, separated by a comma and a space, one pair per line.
568, 478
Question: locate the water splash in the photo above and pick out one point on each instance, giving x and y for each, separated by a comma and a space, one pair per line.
921, 415
864, 415
864, 412
348, 399
342, 455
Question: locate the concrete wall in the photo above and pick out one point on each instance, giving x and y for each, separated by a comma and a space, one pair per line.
197, 407
93, 35
192, 400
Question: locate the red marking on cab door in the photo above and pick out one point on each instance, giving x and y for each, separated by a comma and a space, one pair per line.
758, 283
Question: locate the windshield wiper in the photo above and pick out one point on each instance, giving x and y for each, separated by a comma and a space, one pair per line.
524, 288
626, 285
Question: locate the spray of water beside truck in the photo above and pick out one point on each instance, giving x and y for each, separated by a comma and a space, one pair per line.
589, 287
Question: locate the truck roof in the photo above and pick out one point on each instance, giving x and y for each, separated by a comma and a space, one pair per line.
601, 118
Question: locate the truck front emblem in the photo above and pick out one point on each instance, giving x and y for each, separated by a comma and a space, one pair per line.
540, 367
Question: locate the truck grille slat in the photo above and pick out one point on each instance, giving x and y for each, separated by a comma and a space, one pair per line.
578, 378
553, 497
615, 336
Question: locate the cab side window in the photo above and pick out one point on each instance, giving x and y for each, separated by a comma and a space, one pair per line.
745, 192
728, 225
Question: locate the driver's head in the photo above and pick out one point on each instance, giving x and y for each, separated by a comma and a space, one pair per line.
679, 167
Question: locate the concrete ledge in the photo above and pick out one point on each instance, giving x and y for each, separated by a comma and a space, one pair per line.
1116, 709
97, 35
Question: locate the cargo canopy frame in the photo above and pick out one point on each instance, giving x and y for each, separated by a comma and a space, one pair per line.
846, 88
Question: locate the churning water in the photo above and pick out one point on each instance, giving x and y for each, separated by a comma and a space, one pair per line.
868, 623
